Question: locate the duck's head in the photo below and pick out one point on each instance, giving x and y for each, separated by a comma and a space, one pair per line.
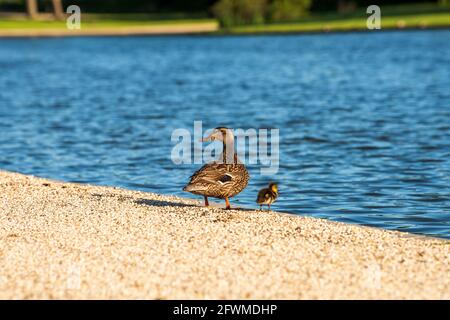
220, 133
227, 137
273, 187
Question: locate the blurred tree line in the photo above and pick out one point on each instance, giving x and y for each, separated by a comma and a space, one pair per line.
238, 12
228, 12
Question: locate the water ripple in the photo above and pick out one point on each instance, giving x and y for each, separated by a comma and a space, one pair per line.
362, 141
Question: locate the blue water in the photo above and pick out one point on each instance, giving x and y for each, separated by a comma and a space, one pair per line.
364, 118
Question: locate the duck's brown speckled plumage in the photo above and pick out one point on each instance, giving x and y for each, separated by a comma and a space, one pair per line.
223, 179
219, 180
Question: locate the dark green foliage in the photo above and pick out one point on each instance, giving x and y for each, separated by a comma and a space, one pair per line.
239, 12
288, 10
253, 10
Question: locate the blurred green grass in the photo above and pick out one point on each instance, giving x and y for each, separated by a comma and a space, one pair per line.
97, 21
400, 16
401, 21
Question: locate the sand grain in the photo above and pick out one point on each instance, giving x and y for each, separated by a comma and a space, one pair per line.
60, 240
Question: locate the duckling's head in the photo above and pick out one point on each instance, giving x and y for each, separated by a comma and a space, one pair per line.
273, 187
220, 133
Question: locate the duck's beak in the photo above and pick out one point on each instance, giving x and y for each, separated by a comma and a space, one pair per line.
208, 138
205, 139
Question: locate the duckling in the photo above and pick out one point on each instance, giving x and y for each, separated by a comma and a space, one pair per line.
267, 195
223, 179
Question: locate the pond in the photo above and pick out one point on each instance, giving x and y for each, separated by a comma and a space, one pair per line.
363, 118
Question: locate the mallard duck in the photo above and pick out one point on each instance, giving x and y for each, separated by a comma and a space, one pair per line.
267, 195
220, 179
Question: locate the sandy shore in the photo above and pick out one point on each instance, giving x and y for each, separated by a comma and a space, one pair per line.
61, 240
185, 28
